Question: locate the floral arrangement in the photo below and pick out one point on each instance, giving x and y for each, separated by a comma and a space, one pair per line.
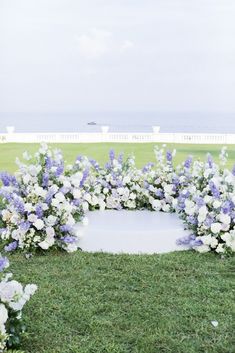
13, 297
160, 185
37, 209
206, 203
45, 202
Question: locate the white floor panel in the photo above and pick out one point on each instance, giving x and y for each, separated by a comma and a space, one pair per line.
132, 232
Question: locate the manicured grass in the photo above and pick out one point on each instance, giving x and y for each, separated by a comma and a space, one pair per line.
101, 303
99, 151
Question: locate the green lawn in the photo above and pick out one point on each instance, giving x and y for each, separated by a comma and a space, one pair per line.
143, 152
101, 303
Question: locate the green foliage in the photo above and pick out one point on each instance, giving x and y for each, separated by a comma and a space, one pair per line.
15, 328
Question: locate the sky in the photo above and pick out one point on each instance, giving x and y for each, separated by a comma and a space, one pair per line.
109, 55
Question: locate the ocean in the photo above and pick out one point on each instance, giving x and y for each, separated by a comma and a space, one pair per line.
194, 122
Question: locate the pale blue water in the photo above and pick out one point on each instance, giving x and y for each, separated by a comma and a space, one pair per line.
125, 121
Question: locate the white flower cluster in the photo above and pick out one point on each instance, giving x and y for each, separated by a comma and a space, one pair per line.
38, 209
13, 297
207, 205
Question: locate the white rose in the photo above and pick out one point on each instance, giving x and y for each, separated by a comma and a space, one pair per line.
202, 248
220, 248
166, 208
77, 193
105, 191
85, 206
227, 237
55, 202
3, 314
39, 191
225, 219
51, 220
28, 207
71, 247
85, 221
60, 196
32, 218
168, 189
156, 204
216, 227
120, 191
70, 221
11, 290
87, 197
50, 232
216, 204
39, 224
208, 198
26, 178
126, 179
66, 183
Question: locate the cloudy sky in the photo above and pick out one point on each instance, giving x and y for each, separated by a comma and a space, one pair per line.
109, 55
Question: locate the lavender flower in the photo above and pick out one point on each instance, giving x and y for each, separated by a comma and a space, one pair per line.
69, 239
169, 156
120, 158
189, 240
84, 177
19, 205
227, 207
65, 228
94, 163
39, 211
4, 263
111, 155
214, 190
188, 162
147, 167
11, 247
210, 160
25, 225
45, 180
7, 179
49, 162
59, 170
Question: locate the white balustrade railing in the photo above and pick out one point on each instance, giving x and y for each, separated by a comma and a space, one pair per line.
129, 137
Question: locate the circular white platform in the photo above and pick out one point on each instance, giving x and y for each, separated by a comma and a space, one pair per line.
132, 232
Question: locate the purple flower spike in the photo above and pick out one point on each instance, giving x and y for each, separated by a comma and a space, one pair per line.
188, 162
168, 156
214, 190
210, 160
111, 155
84, 177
